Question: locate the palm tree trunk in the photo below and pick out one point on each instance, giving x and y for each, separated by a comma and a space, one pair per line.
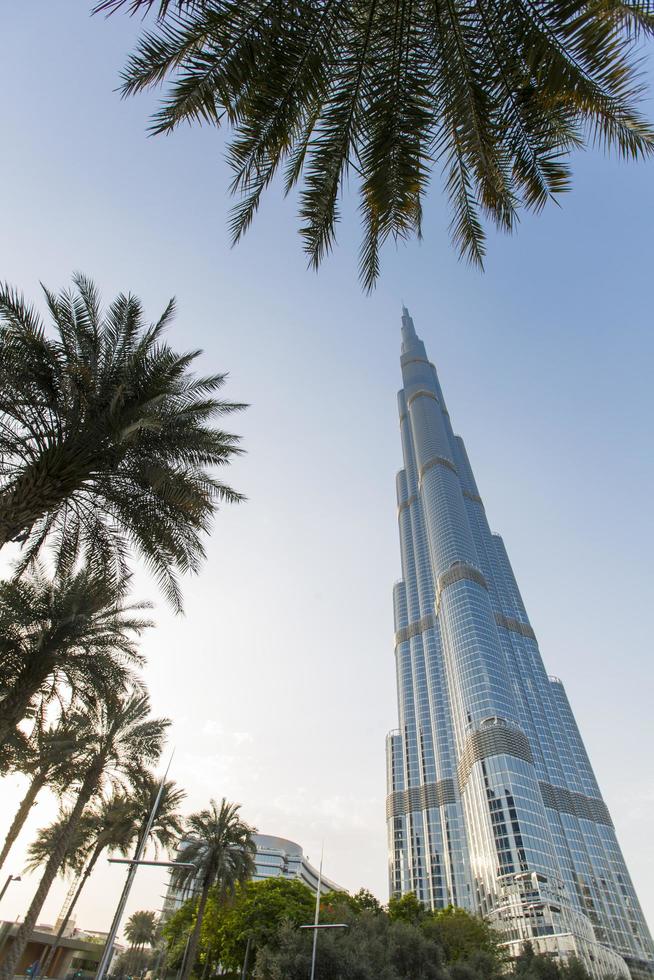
71, 908
22, 813
195, 935
88, 787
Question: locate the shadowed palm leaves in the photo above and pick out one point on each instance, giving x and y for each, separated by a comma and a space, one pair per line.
495, 93
107, 438
121, 739
107, 826
167, 827
77, 628
220, 848
141, 929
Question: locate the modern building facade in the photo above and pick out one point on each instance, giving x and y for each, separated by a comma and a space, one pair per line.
280, 858
492, 801
276, 857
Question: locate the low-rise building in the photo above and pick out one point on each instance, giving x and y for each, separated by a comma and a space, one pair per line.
276, 857
76, 957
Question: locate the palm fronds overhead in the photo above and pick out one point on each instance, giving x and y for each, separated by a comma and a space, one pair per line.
491, 95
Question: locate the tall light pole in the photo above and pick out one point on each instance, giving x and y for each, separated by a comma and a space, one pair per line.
8, 882
133, 863
317, 915
316, 925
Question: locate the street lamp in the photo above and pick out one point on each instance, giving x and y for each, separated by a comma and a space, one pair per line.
316, 926
8, 882
133, 866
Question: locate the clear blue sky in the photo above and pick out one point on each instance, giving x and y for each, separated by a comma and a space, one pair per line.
280, 679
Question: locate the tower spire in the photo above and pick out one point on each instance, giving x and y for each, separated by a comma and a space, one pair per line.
409, 336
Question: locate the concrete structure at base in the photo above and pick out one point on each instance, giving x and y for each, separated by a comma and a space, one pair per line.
492, 801
76, 956
276, 857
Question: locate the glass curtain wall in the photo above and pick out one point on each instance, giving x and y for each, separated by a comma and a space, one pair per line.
492, 801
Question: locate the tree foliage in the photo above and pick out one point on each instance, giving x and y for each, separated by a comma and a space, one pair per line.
107, 437
121, 737
141, 929
75, 631
403, 942
493, 95
256, 913
406, 908
373, 947
463, 935
530, 966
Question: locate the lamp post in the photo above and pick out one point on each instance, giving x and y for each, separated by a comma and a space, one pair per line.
316, 925
133, 863
8, 882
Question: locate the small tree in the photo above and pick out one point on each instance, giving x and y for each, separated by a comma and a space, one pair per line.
406, 908
462, 934
255, 915
365, 901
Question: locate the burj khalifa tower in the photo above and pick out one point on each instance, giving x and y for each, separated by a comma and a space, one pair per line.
492, 801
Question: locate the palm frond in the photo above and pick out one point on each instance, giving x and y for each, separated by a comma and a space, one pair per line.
108, 438
495, 93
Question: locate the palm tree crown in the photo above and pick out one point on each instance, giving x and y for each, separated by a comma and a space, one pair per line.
167, 827
46, 839
107, 437
141, 929
76, 628
219, 847
493, 93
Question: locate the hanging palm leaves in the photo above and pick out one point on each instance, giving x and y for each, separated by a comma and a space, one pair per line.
493, 93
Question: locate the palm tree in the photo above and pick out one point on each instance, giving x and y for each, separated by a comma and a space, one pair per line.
47, 839
76, 628
167, 827
121, 739
106, 436
219, 847
495, 94
50, 758
115, 823
107, 825
140, 931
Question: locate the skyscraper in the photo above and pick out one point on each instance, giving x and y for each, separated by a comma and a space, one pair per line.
492, 801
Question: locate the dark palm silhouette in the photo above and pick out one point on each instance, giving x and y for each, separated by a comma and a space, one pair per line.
491, 95
75, 631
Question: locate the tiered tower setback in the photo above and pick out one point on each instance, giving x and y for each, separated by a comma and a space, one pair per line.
492, 801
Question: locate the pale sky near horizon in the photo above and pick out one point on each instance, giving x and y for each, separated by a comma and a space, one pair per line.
280, 677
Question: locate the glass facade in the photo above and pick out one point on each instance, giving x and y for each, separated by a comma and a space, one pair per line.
492, 801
